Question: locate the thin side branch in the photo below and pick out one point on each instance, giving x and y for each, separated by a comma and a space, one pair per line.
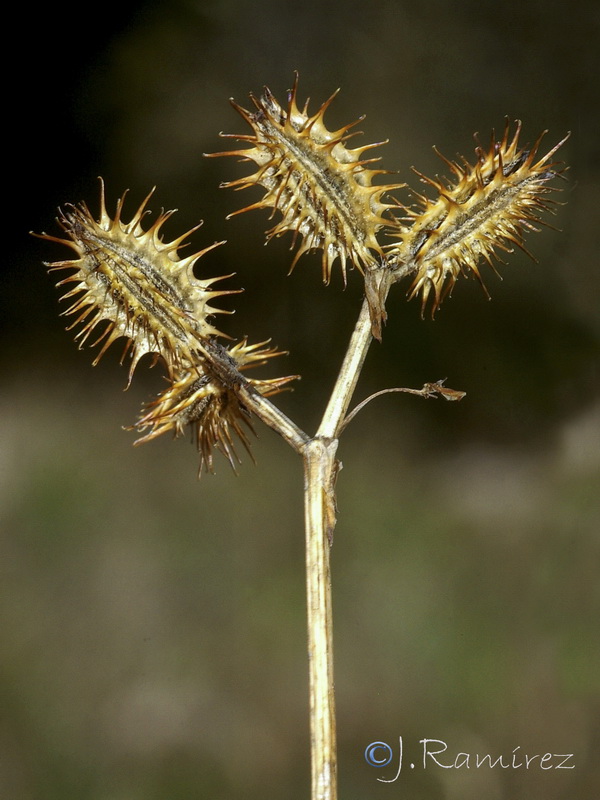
273, 417
428, 390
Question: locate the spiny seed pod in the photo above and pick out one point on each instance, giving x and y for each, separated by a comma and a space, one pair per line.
210, 405
128, 278
137, 284
488, 207
322, 189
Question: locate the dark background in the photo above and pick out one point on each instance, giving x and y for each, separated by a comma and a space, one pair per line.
152, 626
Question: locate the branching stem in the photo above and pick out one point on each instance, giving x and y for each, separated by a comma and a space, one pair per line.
320, 472
139, 287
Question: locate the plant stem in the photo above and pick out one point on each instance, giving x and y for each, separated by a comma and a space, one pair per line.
273, 417
348, 375
319, 466
320, 472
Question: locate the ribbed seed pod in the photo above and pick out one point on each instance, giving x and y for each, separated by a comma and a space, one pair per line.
322, 189
488, 207
210, 406
129, 279
137, 284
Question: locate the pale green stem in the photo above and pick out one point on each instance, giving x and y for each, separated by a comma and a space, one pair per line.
319, 466
320, 472
273, 417
348, 376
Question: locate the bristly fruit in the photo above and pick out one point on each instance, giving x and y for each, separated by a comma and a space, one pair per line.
128, 278
488, 207
127, 282
322, 189
210, 405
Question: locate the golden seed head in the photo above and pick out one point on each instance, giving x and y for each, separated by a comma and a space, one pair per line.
136, 283
212, 410
322, 189
209, 405
487, 207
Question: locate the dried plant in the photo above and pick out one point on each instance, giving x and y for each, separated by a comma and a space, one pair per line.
128, 283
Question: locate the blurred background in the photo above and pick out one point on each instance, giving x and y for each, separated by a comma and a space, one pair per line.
152, 625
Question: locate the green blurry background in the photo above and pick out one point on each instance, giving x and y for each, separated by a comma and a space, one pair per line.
152, 626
